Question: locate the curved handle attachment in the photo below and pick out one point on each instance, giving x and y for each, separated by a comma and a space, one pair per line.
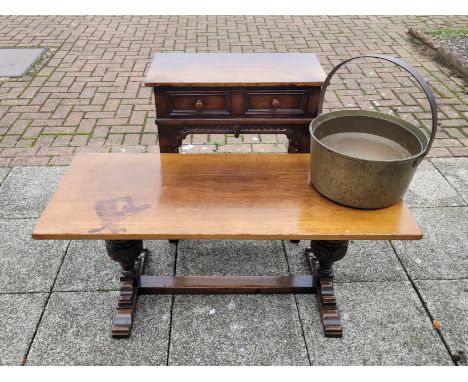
422, 82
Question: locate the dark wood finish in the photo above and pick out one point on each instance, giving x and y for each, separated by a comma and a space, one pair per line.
172, 135
327, 252
275, 102
133, 283
131, 256
133, 196
321, 257
226, 284
126, 253
229, 93
244, 122
201, 103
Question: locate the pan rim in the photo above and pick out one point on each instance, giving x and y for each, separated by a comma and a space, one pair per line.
369, 114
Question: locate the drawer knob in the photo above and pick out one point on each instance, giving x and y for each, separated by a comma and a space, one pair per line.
199, 105
275, 103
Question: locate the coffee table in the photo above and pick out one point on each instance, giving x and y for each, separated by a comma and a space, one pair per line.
126, 198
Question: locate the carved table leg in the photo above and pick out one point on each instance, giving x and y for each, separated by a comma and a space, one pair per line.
321, 256
299, 140
169, 139
131, 256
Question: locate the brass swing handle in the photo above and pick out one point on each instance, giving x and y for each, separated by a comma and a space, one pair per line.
404, 65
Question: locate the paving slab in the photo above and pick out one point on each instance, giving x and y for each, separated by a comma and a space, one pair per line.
3, 173
384, 323
365, 261
231, 257
88, 267
430, 189
76, 330
447, 301
236, 330
19, 316
27, 265
443, 252
26, 190
455, 170
16, 62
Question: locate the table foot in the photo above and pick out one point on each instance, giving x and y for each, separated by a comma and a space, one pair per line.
320, 257
131, 256
126, 302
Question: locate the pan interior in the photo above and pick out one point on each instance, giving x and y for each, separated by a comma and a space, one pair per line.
368, 138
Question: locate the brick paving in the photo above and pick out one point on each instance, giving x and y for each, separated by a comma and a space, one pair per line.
88, 94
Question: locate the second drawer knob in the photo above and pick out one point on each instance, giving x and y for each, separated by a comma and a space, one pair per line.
275, 103
199, 105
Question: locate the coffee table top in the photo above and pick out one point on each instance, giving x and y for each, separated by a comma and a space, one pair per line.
213, 196
235, 69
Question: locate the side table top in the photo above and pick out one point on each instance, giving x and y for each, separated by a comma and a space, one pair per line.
235, 69
214, 196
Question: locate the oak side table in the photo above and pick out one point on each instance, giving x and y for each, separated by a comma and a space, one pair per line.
235, 93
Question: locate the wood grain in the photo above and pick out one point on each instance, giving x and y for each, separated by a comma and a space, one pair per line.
226, 284
125, 196
235, 69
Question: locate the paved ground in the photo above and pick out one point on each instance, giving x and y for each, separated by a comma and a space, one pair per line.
57, 297
88, 93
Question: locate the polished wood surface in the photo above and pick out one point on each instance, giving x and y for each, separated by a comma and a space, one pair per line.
165, 196
235, 69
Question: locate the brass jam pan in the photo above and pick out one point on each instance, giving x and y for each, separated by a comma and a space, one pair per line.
367, 159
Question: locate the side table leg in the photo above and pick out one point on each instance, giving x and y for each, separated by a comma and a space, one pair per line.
131, 256
169, 139
299, 140
321, 256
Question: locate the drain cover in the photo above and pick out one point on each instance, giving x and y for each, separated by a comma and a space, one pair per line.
16, 62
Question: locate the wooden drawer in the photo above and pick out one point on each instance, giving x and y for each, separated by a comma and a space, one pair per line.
276, 102
199, 103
